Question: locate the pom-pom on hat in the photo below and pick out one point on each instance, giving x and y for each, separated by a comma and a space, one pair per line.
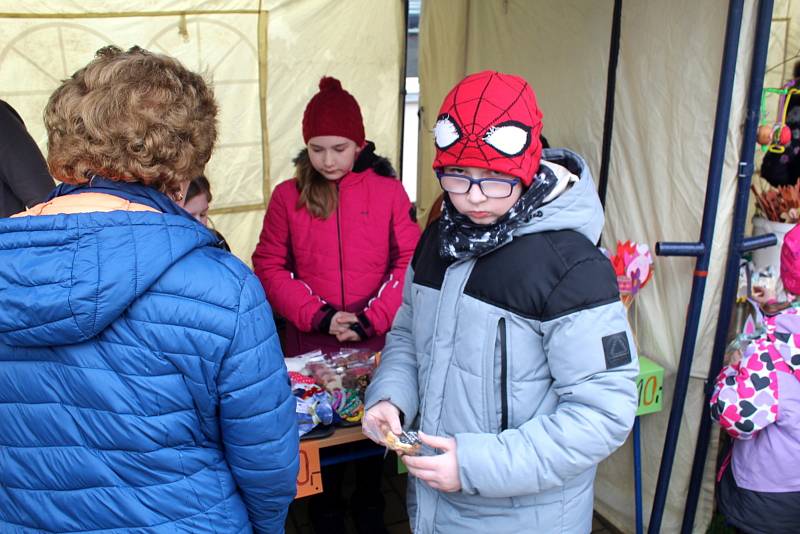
333, 111
490, 120
790, 261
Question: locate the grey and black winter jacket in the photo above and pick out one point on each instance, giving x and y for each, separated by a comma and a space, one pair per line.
524, 355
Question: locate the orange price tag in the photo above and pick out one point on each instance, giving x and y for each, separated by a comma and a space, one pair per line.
309, 477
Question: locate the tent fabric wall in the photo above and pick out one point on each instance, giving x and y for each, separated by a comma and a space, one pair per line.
263, 58
784, 46
560, 48
666, 93
666, 98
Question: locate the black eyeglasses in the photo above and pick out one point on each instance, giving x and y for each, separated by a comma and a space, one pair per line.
490, 187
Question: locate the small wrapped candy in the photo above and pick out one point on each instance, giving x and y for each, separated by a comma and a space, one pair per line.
406, 443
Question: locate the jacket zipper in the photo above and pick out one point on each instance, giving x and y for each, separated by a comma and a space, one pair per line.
339, 235
503, 375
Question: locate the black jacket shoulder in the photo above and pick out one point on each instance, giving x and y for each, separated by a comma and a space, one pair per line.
539, 276
545, 275
587, 280
429, 267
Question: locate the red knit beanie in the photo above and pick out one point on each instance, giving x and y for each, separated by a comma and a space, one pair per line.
333, 111
490, 120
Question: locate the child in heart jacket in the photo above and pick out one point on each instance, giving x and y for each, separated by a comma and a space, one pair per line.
757, 401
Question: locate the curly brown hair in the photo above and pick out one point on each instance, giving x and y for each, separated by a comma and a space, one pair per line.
132, 116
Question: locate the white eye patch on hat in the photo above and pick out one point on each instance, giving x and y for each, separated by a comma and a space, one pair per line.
510, 138
446, 132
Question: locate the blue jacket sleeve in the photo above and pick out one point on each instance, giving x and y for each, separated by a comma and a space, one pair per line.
257, 414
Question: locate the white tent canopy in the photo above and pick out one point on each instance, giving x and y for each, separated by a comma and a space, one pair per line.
266, 57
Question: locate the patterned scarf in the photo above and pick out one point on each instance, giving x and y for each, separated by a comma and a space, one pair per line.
461, 238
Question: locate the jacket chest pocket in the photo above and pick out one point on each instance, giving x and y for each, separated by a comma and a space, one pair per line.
497, 373
501, 352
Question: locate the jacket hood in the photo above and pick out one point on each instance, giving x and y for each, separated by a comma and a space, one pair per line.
577, 208
65, 278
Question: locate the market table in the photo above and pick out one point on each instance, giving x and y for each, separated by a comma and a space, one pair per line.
309, 477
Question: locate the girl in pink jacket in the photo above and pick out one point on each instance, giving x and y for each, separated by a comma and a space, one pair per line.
332, 255
338, 237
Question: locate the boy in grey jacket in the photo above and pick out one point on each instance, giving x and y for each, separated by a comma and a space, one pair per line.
511, 352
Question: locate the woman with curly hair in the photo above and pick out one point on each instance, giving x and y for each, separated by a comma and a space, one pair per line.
142, 386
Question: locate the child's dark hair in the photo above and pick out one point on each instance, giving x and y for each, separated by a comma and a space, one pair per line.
198, 186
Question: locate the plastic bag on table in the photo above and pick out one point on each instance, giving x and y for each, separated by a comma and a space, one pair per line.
313, 405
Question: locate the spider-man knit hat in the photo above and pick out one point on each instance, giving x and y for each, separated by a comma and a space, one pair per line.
333, 111
790, 261
490, 120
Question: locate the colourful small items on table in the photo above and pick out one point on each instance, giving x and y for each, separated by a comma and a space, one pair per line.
329, 389
313, 403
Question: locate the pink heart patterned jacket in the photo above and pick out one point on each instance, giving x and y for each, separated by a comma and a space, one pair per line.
757, 401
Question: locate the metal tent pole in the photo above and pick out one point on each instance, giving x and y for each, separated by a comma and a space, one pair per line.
701, 250
611, 84
402, 114
736, 247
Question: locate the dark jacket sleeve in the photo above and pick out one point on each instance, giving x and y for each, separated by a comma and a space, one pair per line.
22, 167
257, 414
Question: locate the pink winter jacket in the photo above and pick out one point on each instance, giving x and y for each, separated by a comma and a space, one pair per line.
355, 260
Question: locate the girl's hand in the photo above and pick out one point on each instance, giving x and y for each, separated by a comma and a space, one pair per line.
348, 335
340, 323
380, 419
441, 471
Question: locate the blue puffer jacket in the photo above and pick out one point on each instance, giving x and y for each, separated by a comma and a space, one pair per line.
142, 386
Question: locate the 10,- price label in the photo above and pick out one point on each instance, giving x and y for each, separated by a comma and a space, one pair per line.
650, 386
309, 477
